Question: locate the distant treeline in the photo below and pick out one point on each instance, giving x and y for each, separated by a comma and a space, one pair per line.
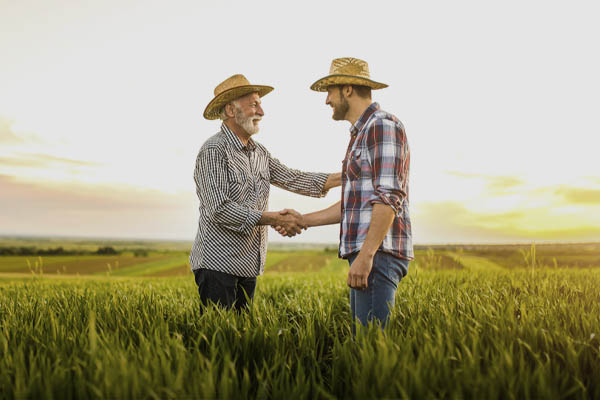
57, 251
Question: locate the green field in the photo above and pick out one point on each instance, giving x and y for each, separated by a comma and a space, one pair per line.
171, 258
457, 334
469, 322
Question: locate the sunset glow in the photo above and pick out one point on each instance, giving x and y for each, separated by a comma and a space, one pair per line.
101, 112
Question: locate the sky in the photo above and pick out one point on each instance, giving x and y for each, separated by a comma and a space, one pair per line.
101, 110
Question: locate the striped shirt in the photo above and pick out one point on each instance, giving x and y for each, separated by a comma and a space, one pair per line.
375, 170
232, 183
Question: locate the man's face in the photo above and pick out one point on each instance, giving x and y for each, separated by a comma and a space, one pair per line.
338, 102
248, 112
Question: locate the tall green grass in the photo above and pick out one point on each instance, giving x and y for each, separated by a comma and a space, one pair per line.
453, 334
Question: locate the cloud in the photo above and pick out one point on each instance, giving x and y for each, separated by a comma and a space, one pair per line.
42, 160
495, 184
578, 195
94, 210
6, 133
452, 222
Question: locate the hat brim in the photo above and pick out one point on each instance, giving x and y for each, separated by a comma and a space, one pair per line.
213, 108
338, 79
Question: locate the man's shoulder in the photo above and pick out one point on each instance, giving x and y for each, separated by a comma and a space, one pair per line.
386, 119
382, 115
260, 147
216, 142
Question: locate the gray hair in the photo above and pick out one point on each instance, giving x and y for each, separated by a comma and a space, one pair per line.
223, 114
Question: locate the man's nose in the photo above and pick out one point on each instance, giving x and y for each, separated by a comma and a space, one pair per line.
327, 99
260, 111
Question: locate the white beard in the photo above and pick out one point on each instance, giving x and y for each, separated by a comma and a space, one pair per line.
247, 122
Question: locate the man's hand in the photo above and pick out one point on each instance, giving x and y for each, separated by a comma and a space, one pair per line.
358, 275
289, 223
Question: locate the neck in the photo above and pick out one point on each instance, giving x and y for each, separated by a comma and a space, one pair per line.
238, 130
357, 108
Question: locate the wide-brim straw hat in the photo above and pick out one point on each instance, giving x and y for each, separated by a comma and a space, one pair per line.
347, 71
230, 89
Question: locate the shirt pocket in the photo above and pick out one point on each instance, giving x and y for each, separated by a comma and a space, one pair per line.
264, 175
263, 186
354, 165
237, 185
263, 181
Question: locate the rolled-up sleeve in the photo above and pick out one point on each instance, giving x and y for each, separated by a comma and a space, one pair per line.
212, 189
305, 183
387, 152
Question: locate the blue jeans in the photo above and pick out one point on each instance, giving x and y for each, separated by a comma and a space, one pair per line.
374, 303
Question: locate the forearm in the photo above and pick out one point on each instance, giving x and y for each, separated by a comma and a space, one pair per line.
333, 180
234, 216
382, 218
304, 183
327, 216
269, 218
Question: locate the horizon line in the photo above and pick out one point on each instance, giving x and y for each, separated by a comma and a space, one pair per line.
277, 242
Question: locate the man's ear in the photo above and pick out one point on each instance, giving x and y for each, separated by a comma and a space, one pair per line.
229, 110
347, 90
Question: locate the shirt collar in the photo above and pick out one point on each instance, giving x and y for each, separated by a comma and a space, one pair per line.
235, 141
362, 120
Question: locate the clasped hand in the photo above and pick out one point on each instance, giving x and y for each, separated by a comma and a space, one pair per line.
290, 223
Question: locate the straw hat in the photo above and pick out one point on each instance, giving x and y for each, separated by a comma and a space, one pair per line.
347, 71
230, 89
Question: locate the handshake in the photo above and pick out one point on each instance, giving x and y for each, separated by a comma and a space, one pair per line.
289, 223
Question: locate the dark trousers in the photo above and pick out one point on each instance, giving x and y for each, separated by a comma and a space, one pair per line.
227, 290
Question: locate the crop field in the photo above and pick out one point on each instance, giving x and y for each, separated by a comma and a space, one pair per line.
467, 324
162, 259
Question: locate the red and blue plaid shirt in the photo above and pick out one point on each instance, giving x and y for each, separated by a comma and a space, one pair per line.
376, 170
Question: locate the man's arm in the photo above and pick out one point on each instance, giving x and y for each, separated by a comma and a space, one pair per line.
314, 184
212, 186
333, 180
381, 220
327, 216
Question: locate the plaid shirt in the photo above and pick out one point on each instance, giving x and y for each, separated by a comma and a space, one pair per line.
375, 170
232, 183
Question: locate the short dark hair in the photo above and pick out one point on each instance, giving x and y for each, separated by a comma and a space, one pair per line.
361, 91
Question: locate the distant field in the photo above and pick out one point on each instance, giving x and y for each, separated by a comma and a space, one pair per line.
163, 259
93, 244
155, 264
125, 264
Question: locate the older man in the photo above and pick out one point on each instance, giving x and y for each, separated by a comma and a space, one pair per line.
233, 175
375, 231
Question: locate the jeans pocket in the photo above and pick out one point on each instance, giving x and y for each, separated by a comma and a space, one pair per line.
393, 274
389, 267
